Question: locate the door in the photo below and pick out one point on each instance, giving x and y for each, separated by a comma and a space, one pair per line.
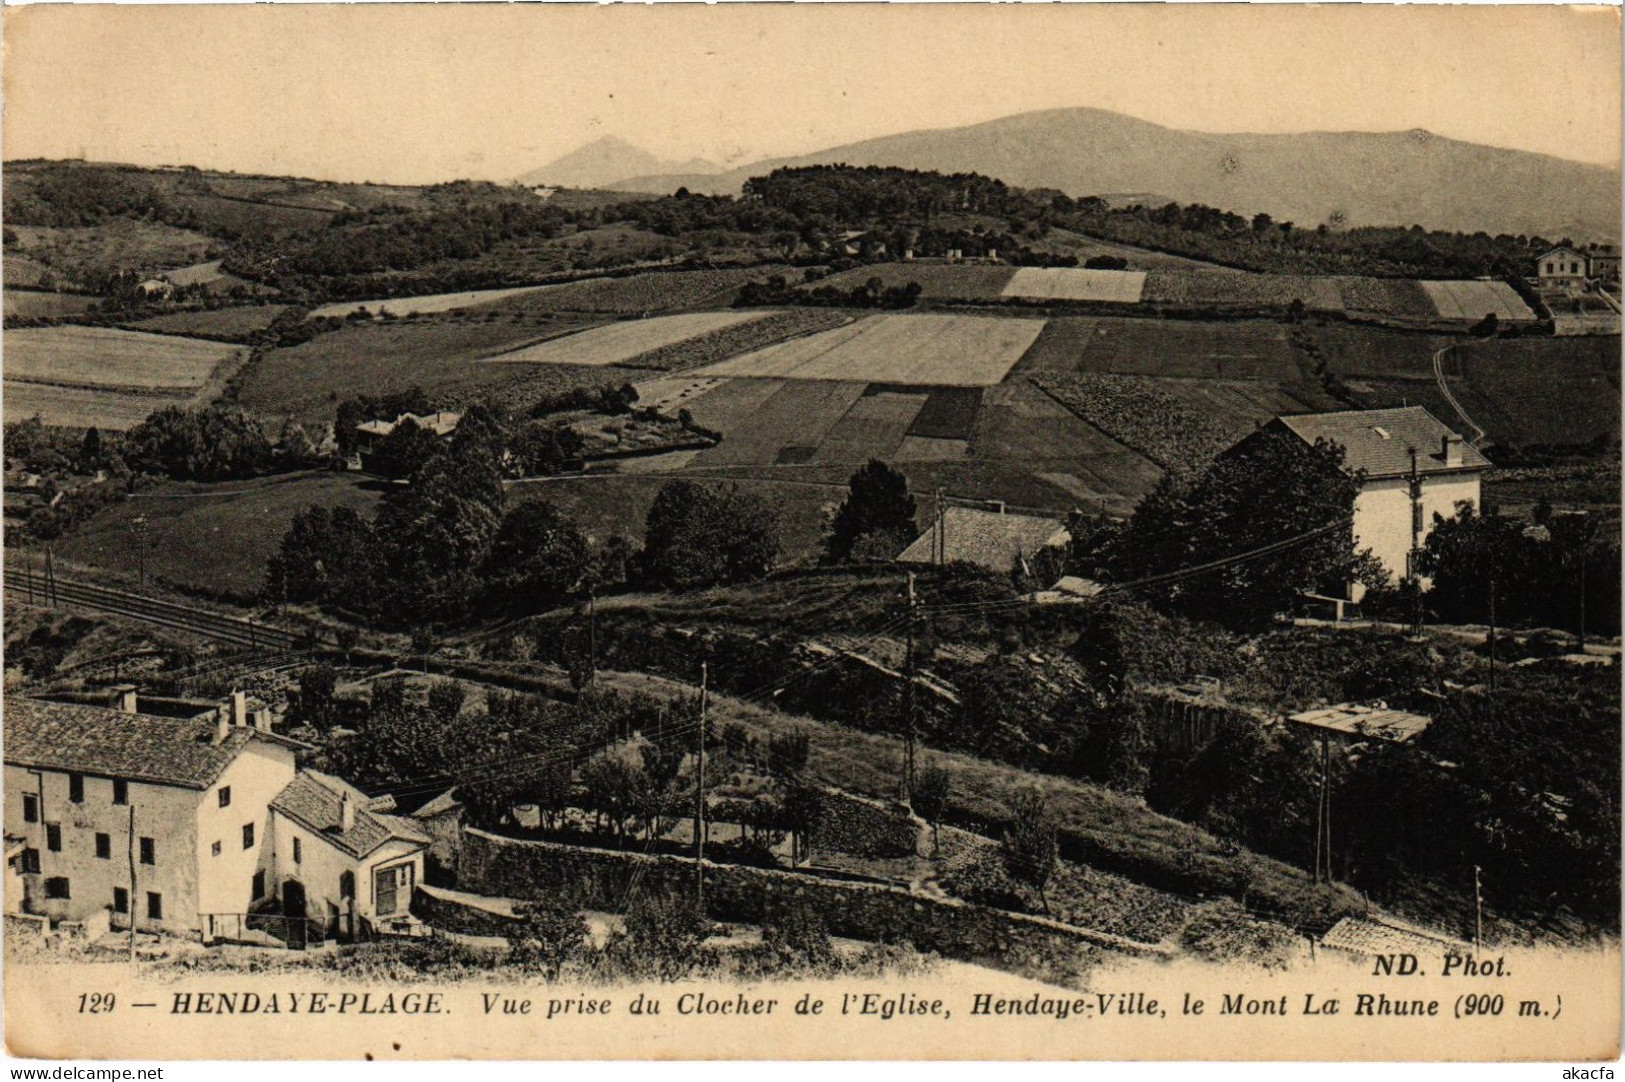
392, 889
293, 909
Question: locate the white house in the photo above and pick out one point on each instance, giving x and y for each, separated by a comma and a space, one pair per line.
1414, 467
370, 434
341, 858
1562, 268
128, 816
187, 826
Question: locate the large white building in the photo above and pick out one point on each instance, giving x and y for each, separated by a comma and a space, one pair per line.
186, 826
1413, 465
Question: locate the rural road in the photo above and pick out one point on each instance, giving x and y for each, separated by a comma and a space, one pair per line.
1444, 388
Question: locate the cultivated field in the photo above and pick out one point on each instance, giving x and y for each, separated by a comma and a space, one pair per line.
917, 350
1237, 406
89, 253
1475, 300
443, 358
1164, 347
425, 305
104, 357
656, 291
230, 324
617, 343
1073, 284
787, 427
198, 274
1219, 287
1137, 412
26, 304
1387, 297
874, 427
83, 407
737, 338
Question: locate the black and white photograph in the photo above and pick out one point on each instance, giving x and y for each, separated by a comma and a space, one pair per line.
811, 531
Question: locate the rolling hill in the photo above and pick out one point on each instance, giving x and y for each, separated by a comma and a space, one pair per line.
1381, 178
606, 160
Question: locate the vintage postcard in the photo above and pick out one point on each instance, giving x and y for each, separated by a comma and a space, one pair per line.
812, 531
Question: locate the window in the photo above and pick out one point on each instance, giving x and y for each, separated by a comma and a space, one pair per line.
225, 796
104, 847
76, 788
30, 808
57, 887
30, 861
148, 855
297, 856
53, 837
248, 835
121, 791
121, 900
214, 850
155, 905
259, 885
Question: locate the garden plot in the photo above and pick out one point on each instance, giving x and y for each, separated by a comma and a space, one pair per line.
798, 415
1074, 284
1475, 300
915, 350
669, 395
103, 357
873, 428
618, 342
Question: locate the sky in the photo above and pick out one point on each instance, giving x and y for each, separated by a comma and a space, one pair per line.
421, 93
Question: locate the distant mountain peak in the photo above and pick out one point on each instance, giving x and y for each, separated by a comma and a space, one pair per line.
608, 159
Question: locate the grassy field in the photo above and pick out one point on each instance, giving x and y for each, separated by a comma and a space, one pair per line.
1554, 391
1387, 297
1237, 406
429, 304
444, 358
949, 413
1475, 300
1164, 347
105, 357
231, 324
873, 428
83, 407
1073, 284
617, 343
213, 539
655, 291
736, 338
89, 253
917, 350
26, 304
1220, 287
23, 272
798, 415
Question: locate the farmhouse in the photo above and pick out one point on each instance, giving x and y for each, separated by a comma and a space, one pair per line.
187, 826
1562, 268
370, 434
991, 539
1603, 262
1413, 466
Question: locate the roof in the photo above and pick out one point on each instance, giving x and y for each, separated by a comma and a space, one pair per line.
441, 423
1380, 442
1377, 722
1388, 936
987, 538
1561, 251
111, 743
440, 805
316, 801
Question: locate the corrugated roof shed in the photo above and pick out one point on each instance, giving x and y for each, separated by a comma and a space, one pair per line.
316, 801
111, 743
986, 538
1380, 442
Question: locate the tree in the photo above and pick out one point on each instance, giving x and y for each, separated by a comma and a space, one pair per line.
549, 934
801, 809
405, 450
698, 535
214, 443
929, 798
538, 559
787, 753
314, 704
878, 513
446, 698
1028, 848
90, 450
329, 556
1270, 488
663, 936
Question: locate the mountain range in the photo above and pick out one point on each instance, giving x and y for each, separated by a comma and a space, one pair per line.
1349, 178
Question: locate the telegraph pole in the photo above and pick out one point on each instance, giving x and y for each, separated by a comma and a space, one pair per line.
699, 789
1492, 624
1478, 910
592, 636
939, 534
1416, 546
908, 698
130, 901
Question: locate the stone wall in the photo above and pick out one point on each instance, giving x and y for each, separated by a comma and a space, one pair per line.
451, 911
601, 879
865, 828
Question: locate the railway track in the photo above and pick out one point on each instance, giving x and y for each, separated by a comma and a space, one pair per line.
240, 630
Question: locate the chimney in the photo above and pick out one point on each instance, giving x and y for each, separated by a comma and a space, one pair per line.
1452, 449
346, 813
222, 724
123, 698
239, 708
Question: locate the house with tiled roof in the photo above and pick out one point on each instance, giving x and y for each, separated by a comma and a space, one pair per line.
995, 540
1412, 467
342, 858
125, 816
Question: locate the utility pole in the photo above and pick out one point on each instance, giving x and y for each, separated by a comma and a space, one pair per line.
939, 534
1492, 623
1323, 812
141, 549
592, 636
1478, 910
129, 905
908, 697
699, 790
1416, 546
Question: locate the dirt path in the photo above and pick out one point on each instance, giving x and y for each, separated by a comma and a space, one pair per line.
1444, 388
